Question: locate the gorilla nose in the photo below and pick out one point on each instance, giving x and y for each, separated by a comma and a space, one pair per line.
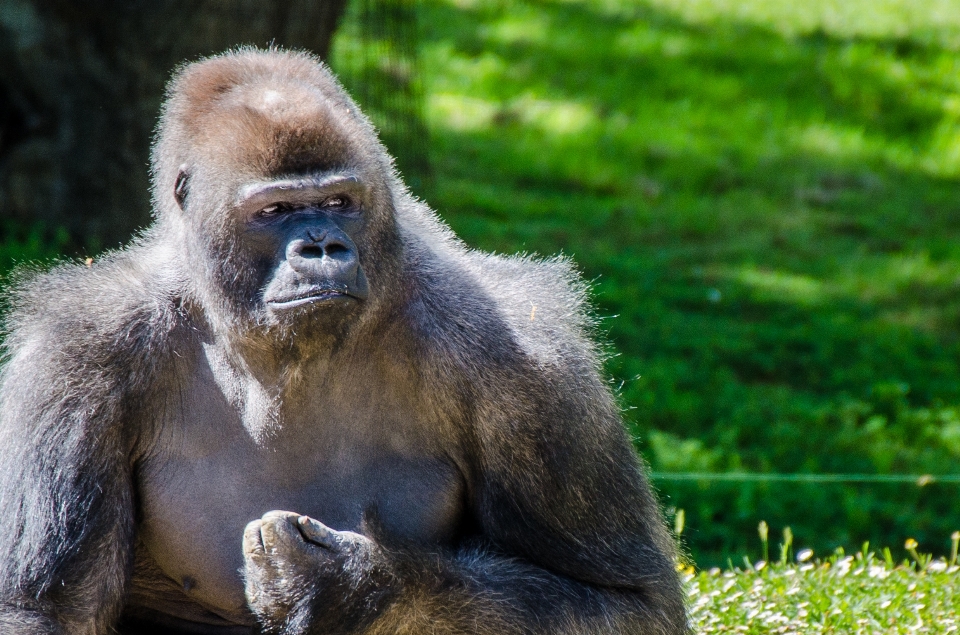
326, 252
320, 244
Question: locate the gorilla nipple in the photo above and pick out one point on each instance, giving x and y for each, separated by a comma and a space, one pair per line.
189, 583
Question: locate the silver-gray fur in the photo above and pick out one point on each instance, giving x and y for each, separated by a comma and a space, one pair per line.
434, 418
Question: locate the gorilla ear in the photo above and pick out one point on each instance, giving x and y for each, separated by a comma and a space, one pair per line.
180, 188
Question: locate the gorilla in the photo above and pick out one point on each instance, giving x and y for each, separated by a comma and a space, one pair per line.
297, 332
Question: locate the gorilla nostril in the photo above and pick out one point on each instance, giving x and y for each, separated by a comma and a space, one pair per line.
311, 251
335, 249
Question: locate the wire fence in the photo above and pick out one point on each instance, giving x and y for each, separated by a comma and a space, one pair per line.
376, 57
920, 480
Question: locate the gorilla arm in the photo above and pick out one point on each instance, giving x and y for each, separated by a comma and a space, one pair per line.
569, 540
66, 499
573, 538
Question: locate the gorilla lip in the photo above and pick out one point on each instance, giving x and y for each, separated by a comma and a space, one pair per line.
319, 295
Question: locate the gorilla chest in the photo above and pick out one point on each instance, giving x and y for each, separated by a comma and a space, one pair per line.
209, 477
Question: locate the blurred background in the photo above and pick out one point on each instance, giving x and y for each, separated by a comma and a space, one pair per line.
765, 195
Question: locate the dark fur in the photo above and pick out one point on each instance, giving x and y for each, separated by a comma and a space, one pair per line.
555, 529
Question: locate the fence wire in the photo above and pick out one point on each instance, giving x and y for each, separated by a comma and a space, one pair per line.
919, 480
376, 56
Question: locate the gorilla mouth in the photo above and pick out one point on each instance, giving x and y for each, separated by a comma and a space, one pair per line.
309, 297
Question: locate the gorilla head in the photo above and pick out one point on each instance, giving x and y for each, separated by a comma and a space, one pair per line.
280, 189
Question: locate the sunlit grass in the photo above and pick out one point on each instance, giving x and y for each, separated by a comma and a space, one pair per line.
463, 113
842, 595
937, 20
868, 593
778, 285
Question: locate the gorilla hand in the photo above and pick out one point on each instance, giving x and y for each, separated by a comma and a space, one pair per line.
299, 573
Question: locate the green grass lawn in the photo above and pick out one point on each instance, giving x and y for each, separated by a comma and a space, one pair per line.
863, 594
843, 595
766, 197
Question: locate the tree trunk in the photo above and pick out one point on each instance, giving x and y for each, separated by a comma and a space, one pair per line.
80, 89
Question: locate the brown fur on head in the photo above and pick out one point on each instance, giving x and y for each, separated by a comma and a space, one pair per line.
251, 116
260, 114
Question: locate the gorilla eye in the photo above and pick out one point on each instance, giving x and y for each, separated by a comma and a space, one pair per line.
337, 202
274, 210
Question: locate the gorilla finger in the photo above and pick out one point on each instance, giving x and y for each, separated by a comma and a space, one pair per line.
252, 540
279, 514
279, 531
317, 533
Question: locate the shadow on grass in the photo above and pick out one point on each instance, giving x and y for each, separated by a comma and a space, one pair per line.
773, 221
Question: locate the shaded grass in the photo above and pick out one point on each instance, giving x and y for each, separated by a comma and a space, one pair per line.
766, 196
27, 246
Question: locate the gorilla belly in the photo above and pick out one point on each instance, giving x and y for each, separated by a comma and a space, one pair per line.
200, 491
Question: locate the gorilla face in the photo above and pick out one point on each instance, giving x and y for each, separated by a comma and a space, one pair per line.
306, 228
286, 254
284, 194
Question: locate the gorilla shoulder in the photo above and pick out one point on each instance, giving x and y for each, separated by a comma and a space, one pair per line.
544, 303
462, 297
123, 304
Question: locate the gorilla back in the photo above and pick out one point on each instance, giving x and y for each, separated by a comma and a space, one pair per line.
298, 404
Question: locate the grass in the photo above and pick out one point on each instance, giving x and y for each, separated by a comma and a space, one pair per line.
766, 196
797, 593
29, 245
848, 595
